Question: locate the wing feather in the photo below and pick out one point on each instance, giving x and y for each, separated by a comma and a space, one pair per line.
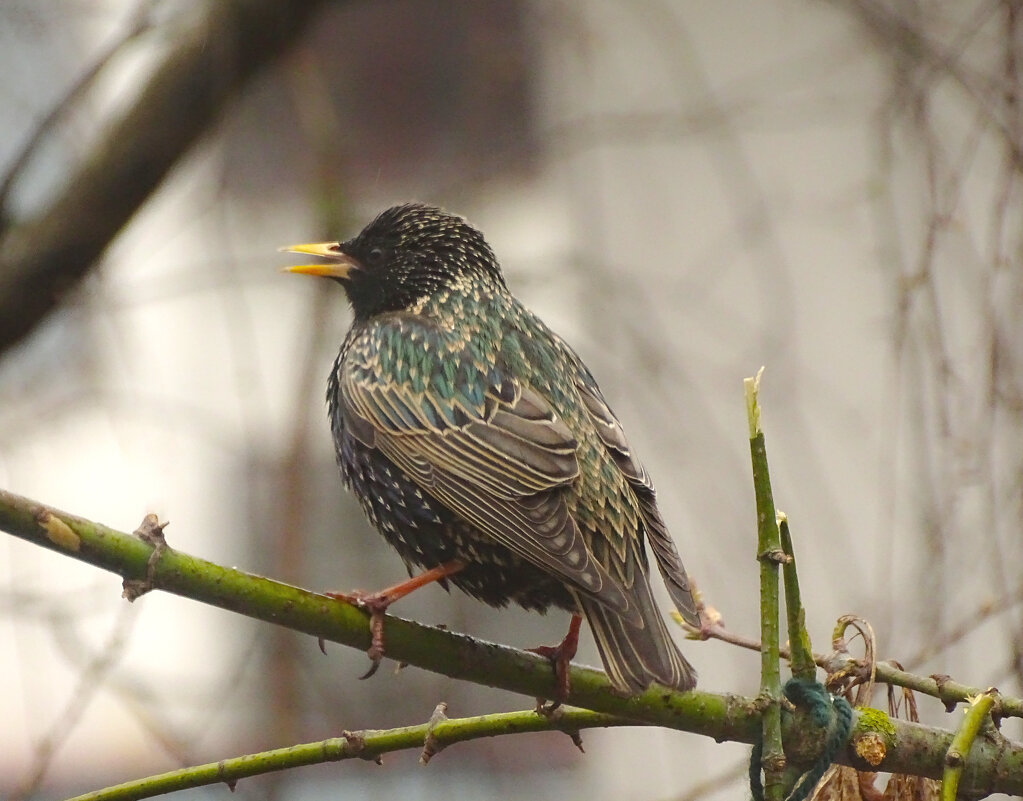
611, 433
494, 451
537, 527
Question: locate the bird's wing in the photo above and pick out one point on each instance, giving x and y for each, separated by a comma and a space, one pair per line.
611, 433
483, 443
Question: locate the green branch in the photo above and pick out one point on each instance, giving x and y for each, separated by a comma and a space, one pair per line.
943, 688
769, 554
430, 738
801, 660
993, 767
456, 655
974, 716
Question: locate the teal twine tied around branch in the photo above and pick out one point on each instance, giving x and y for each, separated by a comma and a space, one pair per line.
813, 697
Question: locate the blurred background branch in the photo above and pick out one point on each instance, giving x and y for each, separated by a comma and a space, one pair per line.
43, 257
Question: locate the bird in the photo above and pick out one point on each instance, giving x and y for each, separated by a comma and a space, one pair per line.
480, 446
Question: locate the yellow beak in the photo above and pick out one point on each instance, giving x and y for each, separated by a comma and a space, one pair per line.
339, 266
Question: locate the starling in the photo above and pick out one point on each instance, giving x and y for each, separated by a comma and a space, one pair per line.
481, 447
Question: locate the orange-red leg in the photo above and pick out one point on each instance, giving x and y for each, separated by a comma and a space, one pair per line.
561, 656
376, 604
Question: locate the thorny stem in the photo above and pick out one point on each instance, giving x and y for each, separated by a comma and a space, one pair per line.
993, 767
769, 553
432, 736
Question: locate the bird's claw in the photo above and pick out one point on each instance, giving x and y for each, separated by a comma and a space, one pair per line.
559, 658
376, 630
376, 604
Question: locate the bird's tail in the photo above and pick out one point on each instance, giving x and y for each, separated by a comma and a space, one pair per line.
634, 656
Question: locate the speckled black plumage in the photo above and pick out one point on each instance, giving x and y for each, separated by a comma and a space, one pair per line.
469, 430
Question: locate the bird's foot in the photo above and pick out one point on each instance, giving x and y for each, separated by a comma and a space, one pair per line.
376, 604
560, 657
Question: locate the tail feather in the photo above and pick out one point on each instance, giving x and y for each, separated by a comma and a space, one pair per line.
668, 560
634, 656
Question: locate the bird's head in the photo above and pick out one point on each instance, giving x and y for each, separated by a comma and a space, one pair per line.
406, 254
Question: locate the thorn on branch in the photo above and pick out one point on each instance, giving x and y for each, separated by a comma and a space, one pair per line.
762, 702
577, 739
776, 555
221, 767
941, 679
150, 531
431, 746
356, 744
555, 716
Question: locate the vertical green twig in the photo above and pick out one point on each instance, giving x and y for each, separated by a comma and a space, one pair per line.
801, 659
769, 554
973, 717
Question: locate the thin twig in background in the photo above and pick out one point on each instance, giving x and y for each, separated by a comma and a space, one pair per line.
90, 681
139, 23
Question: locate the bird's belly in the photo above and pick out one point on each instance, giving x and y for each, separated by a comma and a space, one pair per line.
426, 534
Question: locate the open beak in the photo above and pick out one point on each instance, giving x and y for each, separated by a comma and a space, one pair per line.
339, 264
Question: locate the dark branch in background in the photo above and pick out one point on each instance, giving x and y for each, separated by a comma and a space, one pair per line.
904, 40
994, 764
140, 24
43, 257
89, 684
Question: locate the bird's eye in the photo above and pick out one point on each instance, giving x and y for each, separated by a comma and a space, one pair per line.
375, 257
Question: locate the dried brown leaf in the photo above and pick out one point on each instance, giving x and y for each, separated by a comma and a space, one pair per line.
912, 788
840, 783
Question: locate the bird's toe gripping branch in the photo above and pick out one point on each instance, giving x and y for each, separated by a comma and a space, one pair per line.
377, 603
561, 656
